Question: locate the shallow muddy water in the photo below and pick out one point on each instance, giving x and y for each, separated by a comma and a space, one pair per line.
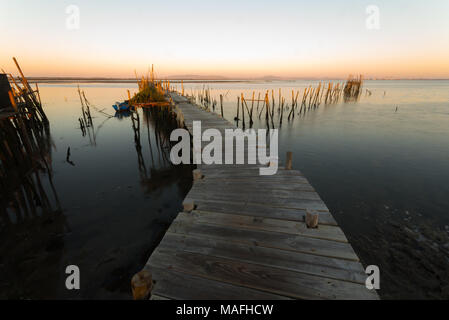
380, 164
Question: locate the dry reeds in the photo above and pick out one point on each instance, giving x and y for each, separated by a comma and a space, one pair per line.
353, 88
151, 91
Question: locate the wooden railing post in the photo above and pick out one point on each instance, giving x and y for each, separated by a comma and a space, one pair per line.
311, 220
188, 205
197, 175
142, 284
288, 162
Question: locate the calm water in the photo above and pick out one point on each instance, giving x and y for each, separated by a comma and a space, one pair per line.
383, 173
116, 202
366, 149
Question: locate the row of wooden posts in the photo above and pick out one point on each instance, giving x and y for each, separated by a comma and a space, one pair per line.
312, 97
23, 95
25, 150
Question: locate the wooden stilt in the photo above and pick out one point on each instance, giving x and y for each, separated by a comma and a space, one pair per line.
288, 162
311, 220
142, 284
188, 205
197, 175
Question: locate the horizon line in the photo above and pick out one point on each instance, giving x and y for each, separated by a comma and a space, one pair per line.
219, 78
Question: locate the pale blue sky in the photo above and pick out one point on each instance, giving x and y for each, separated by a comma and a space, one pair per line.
230, 38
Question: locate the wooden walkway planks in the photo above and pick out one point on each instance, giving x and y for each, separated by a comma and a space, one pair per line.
246, 237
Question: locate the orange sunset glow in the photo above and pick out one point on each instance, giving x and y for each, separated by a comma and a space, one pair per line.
410, 42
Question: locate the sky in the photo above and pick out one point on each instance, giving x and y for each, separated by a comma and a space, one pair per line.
234, 39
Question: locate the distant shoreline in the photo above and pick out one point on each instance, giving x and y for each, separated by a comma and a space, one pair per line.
50, 80
118, 80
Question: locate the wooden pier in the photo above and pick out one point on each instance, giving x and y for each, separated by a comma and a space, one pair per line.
247, 238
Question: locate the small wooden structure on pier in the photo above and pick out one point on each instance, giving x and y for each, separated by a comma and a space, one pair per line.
5, 102
245, 236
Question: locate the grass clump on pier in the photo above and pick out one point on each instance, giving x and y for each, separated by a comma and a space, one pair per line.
149, 93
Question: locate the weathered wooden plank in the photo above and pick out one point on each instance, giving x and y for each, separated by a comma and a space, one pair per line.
267, 239
178, 99
272, 189
258, 210
208, 124
295, 261
247, 173
243, 192
272, 280
265, 180
173, 284
333, 233
305, 204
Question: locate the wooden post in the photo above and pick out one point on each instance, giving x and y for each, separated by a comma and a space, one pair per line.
311, 220
12, 100
258, 100
288, 162
197, 175
243, 112
279, 106
24, 80
267, 107
251, 113
188, 205
38, 94
282, 111
238, 108
142, 284
221, 104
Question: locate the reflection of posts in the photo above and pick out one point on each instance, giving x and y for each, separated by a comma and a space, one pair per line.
135, 119
22, 190
163, 121
160, 171
86, 123
31, 213
25, 151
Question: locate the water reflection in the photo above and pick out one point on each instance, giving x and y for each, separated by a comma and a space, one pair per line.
83, 204
163, 122
26, 154
30, 210
383, 173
